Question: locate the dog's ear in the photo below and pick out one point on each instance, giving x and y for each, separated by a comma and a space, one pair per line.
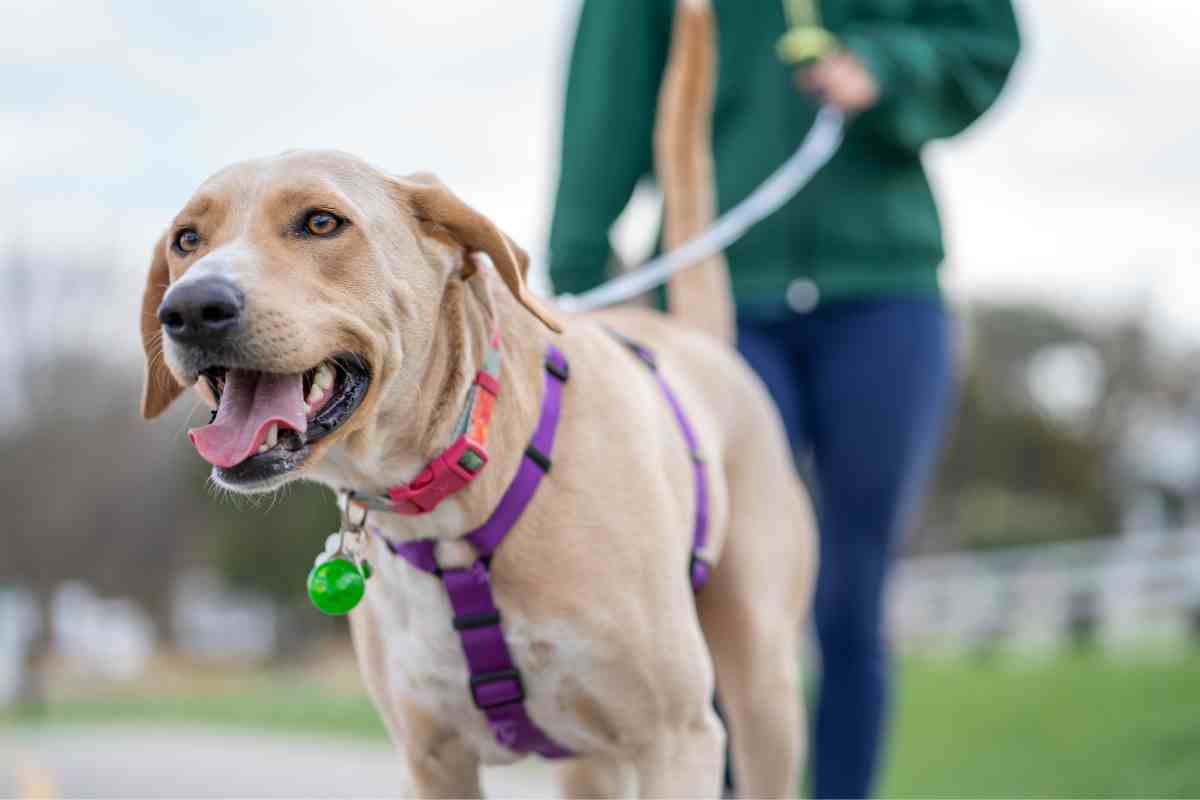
433, 202
160, 385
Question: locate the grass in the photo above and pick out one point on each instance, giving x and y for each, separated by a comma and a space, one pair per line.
284, 705
1078, 725
1074, 725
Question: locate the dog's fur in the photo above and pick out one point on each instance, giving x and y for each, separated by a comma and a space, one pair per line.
617, 654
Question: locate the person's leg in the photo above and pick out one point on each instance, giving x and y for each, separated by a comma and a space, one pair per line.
879, 384
769, 348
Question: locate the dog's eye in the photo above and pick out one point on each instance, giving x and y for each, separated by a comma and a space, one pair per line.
321, 223
187, 240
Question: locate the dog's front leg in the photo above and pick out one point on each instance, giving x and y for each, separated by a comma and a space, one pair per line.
685, 761
439, 763
591, 776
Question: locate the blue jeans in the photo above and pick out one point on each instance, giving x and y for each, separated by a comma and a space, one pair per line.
864, 388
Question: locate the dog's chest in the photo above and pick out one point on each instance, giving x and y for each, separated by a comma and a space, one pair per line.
425, 663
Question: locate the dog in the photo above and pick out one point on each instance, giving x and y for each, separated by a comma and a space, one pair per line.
334, 317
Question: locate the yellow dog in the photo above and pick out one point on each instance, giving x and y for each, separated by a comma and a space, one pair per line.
335, 317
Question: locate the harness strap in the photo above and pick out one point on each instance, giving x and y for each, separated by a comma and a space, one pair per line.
495, 682
699, 569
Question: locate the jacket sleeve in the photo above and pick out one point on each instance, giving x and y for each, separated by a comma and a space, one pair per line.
939, 70
607, 137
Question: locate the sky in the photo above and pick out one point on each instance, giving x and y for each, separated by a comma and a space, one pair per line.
1079, 189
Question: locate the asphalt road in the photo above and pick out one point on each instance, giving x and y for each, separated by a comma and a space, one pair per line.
144, 762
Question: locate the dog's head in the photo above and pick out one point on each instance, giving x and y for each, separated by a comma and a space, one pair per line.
288, 290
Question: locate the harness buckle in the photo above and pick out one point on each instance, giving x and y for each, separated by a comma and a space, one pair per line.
538, 457
559, 370
467, 622
445, 475
699, 571
497, 698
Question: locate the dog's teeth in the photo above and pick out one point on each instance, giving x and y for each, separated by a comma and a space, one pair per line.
307, 409
315, 394
273, 435
324, 377
262, 448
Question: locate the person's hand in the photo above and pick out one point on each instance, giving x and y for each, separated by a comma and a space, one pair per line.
842, 80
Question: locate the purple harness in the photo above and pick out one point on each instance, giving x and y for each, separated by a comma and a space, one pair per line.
495, 683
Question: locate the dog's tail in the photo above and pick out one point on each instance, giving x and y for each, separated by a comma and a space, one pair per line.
701, 294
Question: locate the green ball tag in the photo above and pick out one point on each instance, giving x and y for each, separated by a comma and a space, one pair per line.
335, 586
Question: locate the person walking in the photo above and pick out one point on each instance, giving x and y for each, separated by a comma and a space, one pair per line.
838, 299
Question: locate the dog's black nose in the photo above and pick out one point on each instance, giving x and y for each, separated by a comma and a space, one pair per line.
201, 311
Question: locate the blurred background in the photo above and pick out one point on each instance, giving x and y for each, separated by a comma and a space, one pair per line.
1048, 608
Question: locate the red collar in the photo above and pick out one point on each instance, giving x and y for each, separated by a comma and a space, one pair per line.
459, 463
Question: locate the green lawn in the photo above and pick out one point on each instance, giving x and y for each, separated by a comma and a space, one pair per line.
281, 704
1075, 725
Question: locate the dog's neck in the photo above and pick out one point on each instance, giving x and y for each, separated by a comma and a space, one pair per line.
421, 415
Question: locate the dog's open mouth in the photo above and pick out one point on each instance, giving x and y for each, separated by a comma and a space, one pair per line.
265, 422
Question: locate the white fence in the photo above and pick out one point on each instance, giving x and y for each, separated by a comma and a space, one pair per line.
110, 637
114, 638
213, 623
1127, 591
18, 626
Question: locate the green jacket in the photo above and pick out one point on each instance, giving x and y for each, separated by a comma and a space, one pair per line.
867, 223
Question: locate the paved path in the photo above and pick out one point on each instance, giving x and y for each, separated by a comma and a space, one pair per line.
154, 761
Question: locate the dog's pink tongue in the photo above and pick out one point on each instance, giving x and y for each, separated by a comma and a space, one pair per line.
250, 402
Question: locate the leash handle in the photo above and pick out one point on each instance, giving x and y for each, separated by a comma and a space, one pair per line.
807, 39
818, 147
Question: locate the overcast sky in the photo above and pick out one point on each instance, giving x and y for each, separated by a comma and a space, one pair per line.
1080, 188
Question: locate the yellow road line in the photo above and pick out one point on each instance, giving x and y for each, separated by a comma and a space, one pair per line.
34, 780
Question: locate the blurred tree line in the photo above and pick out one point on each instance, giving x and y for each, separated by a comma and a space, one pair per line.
1052, 439
1041, 450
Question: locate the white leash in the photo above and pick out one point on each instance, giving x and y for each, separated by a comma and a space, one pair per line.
814, 152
